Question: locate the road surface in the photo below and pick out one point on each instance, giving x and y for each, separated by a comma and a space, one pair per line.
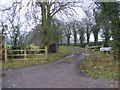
57, 74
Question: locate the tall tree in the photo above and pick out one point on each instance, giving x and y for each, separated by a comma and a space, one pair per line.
74, 30
68, 33
56, 31
88, 23
88, 32
106, 31
112, 11
87, 27
81, 32
96, 27
15, 35
46, 22
61, 35
81, 37
48, 10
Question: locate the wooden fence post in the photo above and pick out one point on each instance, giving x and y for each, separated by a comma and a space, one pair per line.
46, 51
86, 49
5, 51
25, 53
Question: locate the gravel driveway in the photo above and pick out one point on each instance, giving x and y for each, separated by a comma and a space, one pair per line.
56, 74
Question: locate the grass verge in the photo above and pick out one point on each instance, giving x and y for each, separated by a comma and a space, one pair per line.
2, 75
68, 60
62, 51
79, 48
100, 66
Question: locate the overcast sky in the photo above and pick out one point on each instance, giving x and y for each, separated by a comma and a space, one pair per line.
78, 15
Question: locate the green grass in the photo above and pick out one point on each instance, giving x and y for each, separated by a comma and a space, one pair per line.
32, 46
9, 46
27, 46
100, 66
62, 52
79, 48
68, 60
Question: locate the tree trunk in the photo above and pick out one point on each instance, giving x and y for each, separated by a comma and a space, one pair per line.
88, 35
74, 34
15, 42
75, 38
81, 41
116, 44
88, 38
96, 39
61, 41
116, 37
107, 34
68, 41
107, 38
95, 33
45, 24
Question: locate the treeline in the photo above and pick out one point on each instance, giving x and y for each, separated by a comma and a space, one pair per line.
100, 18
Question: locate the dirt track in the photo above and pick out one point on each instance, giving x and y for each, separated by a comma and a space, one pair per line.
56, 74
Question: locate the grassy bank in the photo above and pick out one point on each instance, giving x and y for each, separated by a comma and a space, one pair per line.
100, 66
68, 60
79, 48
62, 51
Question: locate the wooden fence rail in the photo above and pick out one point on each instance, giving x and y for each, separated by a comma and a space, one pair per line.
25, 53
93, 48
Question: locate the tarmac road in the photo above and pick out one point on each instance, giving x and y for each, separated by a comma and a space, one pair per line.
57, 74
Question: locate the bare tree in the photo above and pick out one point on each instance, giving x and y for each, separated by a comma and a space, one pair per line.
44, 10
50, 9
96, 26
106, 30
56, 31
74, 30
87, 26
81, 32
68, 32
